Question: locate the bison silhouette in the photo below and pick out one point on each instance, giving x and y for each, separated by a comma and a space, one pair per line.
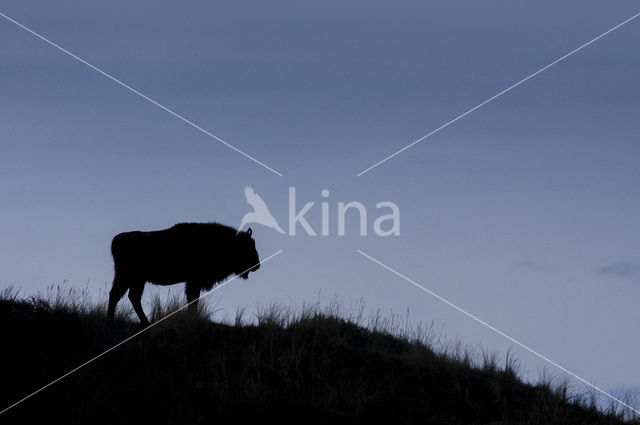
200, 254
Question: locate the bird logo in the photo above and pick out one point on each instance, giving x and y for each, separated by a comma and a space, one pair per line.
260, 213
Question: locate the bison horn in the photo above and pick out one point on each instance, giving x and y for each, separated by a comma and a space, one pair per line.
249, 231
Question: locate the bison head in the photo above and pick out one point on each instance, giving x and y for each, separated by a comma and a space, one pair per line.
248, 260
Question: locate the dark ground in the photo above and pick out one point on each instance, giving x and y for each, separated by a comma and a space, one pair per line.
313, 369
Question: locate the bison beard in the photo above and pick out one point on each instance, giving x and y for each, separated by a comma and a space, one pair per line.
200, 254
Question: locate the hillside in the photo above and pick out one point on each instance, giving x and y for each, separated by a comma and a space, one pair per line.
314, 368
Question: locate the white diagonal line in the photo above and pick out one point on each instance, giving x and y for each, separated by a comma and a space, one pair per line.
134, 335
497, 95
114, 79
498, 331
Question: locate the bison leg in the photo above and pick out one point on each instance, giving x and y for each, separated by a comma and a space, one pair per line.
117, 291
192, 291
135, 296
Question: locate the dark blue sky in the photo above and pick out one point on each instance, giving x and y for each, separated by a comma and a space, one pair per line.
524, 212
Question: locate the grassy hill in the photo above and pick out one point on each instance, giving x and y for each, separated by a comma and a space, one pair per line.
311, 367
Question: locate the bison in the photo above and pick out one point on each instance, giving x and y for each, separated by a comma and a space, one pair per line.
200, 254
